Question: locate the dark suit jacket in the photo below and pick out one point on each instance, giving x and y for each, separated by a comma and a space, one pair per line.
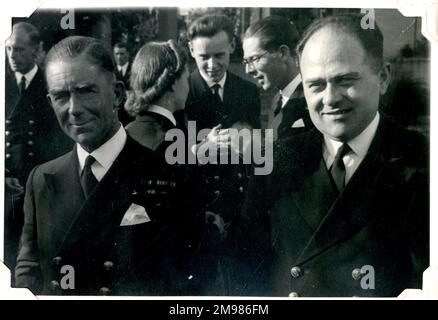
124, 78
150, 129
241, 103
33, 135
293, 110
62, 228
380, 219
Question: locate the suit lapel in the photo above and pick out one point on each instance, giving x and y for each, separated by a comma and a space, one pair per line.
348, 214
65, 196
314, 183
36, 83
108, 202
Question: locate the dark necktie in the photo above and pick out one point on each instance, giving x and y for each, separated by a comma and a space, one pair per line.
88, 180
217, 104
22, 85
338, 168
278, 106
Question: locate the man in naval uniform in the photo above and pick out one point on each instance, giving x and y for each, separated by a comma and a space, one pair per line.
110, 216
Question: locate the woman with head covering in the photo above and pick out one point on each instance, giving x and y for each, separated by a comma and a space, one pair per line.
159, 81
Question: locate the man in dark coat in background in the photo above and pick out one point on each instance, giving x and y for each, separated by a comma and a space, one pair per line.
32, 133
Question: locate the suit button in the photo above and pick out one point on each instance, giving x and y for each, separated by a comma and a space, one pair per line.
8, 121
241, 189
8, 144
30, 154
104, 291
356, 273
54, 285
57, 261
7, 132
295, 272
31, 121
239, 175
108, 265
30, 133
30, 142
217, 193
216, 178
294, 295
8, 155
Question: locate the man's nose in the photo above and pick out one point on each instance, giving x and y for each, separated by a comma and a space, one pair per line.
211, 63
332, 95
75, 105
249, 68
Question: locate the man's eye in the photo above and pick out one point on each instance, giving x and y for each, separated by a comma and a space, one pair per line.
316, 85
60, 97
346, 81
86, 90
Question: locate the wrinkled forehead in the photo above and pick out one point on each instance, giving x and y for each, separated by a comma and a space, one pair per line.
77, 69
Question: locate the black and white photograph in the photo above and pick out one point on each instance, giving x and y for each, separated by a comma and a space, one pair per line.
262, 152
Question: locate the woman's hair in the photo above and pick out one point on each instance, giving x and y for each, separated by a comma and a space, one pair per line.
155, 69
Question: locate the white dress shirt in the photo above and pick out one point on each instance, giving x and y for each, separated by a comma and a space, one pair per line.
221, 83
104, 155
29, 76
122, 69
359, 148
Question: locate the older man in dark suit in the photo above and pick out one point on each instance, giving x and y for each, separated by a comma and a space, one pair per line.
345, 212
108, 217
32, 132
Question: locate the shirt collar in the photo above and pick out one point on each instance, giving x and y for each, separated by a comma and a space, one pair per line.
124, 67
359, 144
106, 153
211, 83
289, 90
29, 76
162, 111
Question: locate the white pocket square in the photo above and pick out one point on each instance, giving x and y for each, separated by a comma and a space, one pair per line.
298, 124
135, 214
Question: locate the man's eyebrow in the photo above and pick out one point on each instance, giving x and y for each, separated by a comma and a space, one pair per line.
57, 90
346, 75
337, 77
85, 85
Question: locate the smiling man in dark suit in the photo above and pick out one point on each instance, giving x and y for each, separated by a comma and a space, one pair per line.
270, 59
219, 97
108, 217
345, 212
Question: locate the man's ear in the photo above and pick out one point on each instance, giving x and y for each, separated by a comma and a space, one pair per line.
191, 49
385, 77
49, 100
284, 51
119, 91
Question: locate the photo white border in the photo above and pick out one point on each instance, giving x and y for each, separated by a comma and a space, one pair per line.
427, 9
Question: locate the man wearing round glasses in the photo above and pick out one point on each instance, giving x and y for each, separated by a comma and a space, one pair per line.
269, 58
